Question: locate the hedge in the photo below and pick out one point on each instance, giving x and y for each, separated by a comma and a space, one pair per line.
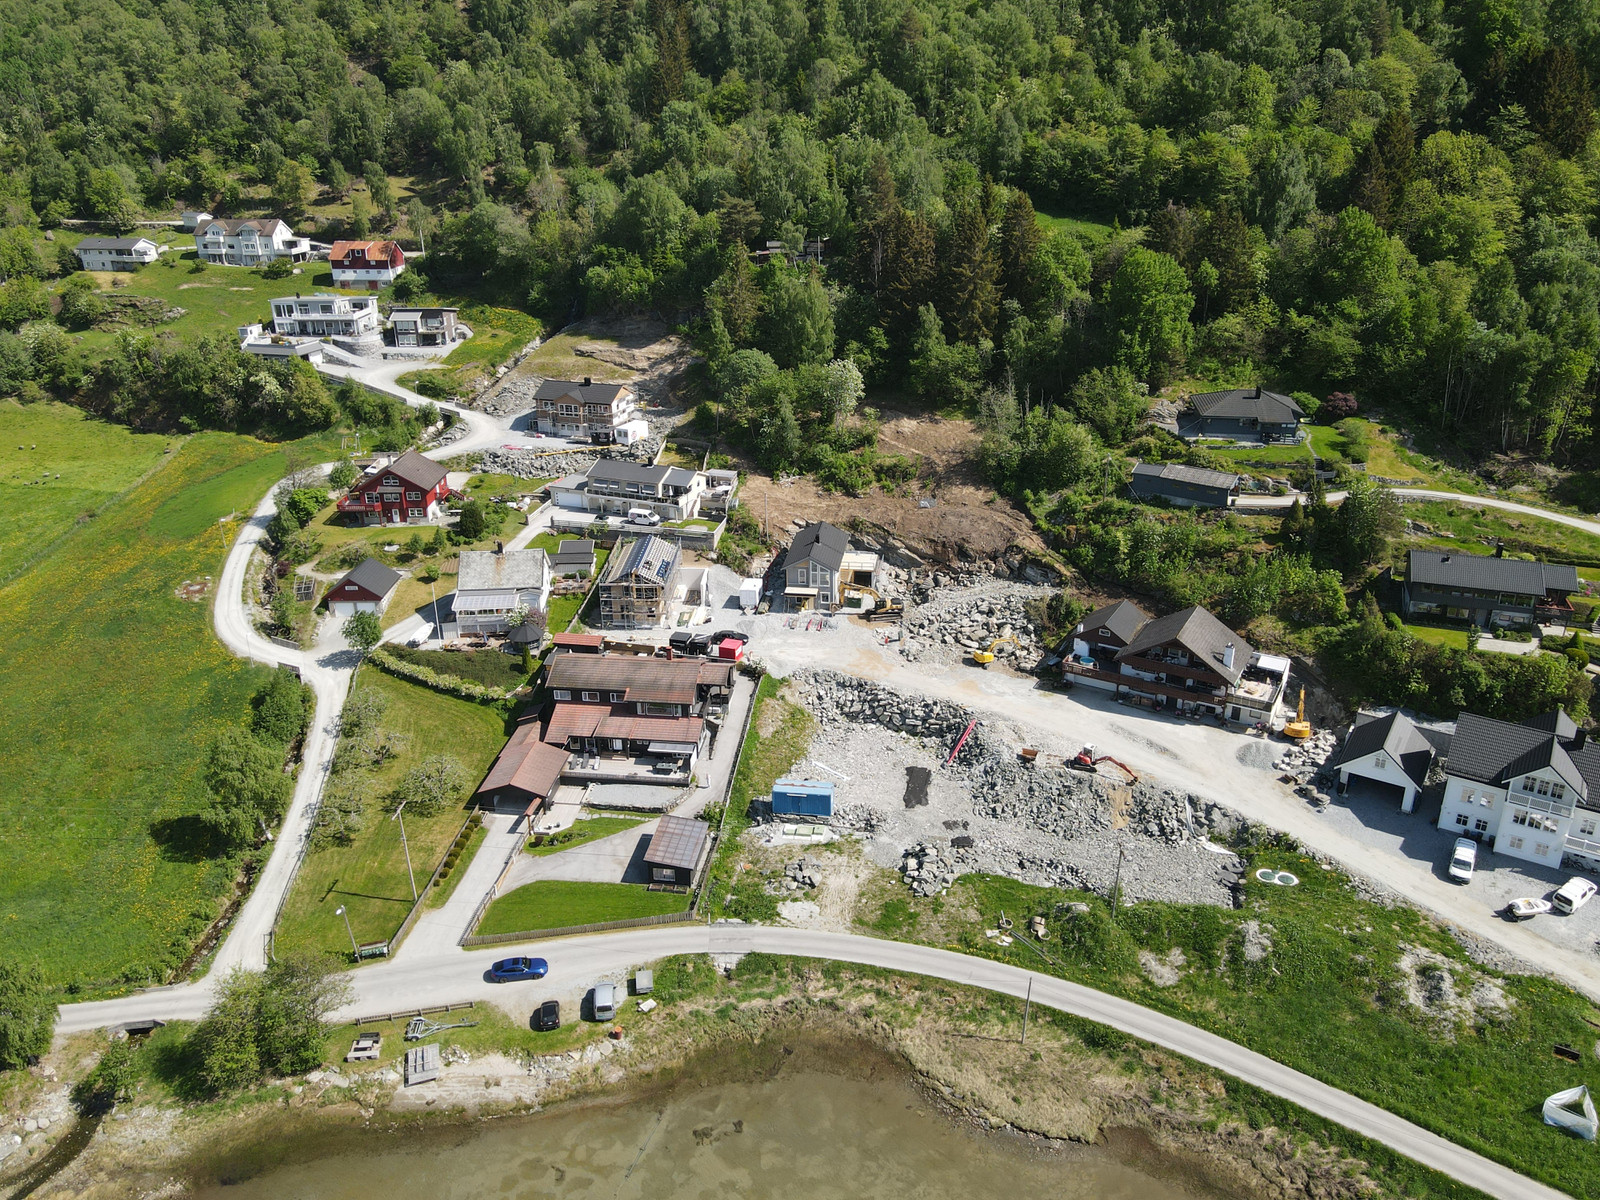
450, 685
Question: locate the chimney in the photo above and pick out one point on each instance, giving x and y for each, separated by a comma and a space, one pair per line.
499, 547
1227, 657
1256, 395
587, 380
1580, 739
1499, 549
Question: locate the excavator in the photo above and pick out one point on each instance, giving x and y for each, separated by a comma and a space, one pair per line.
1087, 760
984, 657
1298, 729
881, 607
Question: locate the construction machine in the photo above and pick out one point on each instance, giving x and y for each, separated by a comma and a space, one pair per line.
984, 657
1298, 729
881, 606
1087, 760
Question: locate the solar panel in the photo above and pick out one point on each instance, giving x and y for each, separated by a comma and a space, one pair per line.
661, 568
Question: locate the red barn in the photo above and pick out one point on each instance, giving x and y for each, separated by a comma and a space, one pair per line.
369, 265
404, 491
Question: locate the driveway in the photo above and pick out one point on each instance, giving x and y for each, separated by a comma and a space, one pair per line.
615, 859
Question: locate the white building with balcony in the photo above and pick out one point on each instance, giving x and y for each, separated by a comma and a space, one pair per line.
116, 254
615, 487
323, 314
1530, 791
253, 243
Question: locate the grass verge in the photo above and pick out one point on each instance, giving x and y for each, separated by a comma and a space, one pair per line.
582, 833
558, 903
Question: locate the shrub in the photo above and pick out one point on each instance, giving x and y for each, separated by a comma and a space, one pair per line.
466, 689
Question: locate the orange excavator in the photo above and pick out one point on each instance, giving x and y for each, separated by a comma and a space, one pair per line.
1087, 760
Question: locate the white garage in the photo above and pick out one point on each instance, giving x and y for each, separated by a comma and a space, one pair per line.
366, 588
1389, 750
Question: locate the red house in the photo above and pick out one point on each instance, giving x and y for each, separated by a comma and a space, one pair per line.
369, 265
404, 491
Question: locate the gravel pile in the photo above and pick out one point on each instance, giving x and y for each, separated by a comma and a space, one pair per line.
991, 812
953, 622
539, 464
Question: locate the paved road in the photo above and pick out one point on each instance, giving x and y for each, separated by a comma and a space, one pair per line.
1247, 503
403, 984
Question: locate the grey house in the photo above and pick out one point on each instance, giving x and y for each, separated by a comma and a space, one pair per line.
1486, 590
1243, 415
1187, 487
820, 567
575, 556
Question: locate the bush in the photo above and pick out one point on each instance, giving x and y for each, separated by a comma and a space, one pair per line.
282, 708
466, 689
343, 475
110, 1082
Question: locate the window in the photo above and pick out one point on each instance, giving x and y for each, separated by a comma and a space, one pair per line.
390, 481
372, 497
413, 495
561, 694
1544, 787
1558, 791
591, 696
1381, 761
1467, 795
350, 587
1541, 849
415, 513
1480, 825
1486, 799
618, 697
1461, 820
1527, 783
1587, 827
659, 710
1514, 843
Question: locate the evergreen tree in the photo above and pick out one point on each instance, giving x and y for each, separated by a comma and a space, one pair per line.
1558, 99
1021, 239
1385, 169
970, 298
670, 25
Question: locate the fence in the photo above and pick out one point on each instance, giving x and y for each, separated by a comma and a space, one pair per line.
494, 890
496, 939
727, 794
427, 889
379, 1018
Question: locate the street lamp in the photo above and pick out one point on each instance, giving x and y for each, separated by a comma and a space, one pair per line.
406, 846
339, 912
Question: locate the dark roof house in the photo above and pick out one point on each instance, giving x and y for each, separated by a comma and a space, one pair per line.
1498, 752
1207, 641
1108, 628
1248, 404
1186, 486
586, 392
1487, 590
820, 543
677, 849
1377, 747
364, 588
526, 773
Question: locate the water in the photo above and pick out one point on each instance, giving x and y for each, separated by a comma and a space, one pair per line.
801, 1133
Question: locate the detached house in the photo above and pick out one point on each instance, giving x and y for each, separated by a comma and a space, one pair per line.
613, 486
605, 413
1529, 790
116, 254
1185, 487
401, 491
366, 588
326, 315
1243, 415
820, 568
436, 326
1188, 662
1389, 750
248, 243
493, 584
370, 265
639, 583
1487, 591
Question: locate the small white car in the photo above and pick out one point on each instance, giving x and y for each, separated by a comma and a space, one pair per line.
1572, 895
1462, 859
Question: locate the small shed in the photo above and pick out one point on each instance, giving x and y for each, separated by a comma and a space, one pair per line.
811, 798
677, 849
1388, 750
730, 650
579, 643
366, 588
574, 556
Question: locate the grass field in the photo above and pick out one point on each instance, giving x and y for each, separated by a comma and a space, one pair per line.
1093, 232
1325, 994
493, 667
1455, 639
1475, 528
558, 903
582, 833
95, 460
555, 359
111, 687
368, 877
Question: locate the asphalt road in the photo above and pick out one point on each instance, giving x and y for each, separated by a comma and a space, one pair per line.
458, 977
1257, 502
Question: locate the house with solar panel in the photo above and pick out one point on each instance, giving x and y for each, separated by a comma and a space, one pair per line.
640, 584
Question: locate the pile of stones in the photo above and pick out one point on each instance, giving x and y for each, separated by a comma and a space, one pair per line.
530, 463
801, 874
927, 870
951, 623
831, 696
1307, 763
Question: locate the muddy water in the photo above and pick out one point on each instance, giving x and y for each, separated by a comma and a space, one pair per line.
800, 1133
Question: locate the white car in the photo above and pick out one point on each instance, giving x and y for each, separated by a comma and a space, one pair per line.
643, 516
1462, 859
1572, 895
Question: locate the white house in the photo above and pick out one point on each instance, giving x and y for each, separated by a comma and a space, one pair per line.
323, 314
494, 583
252, 243
615, 486
371, 264
1389, 750
116, 254
192, 219
1532, 791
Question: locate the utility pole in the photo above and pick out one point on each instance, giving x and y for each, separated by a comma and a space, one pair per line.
339, 912
1027, 1005
410, 874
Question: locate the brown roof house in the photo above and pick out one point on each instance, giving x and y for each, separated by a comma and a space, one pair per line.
525, 775
677, 850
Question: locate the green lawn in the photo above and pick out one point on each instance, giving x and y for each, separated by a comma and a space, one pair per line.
493, 667
1439, 635
556, 359
1474, 529
1267, 456
583, 832
111, 688
558, 903
368, 877
96, 461
1093, 232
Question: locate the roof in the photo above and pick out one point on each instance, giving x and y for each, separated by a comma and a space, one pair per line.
99, 243
1245, 403
1483, 572
259, 224
575, 641
682, 730
572, 720
370, 575
1491, 751
401, 309
1397, 736
678, 842
584, 393
575, 550
526, 763
650, 558
624, 470
378, 250
820, 543
484, 570
1198, 632
657, 680
1174, 479
410, 466
1122, 619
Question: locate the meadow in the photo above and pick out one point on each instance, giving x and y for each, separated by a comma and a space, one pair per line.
111, 687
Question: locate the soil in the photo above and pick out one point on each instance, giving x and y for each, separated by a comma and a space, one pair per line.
967, 522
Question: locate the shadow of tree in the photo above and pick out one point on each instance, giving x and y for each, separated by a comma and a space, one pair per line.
176, 1064
186, 839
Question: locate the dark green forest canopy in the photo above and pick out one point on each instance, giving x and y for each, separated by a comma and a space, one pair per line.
1396, 199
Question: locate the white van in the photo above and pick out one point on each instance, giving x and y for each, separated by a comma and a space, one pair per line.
643, 516
1572, 895
605, 1002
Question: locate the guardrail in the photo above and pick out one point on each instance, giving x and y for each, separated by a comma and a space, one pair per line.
408, 1013
496, 939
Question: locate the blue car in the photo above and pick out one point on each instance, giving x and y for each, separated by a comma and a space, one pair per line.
508, 969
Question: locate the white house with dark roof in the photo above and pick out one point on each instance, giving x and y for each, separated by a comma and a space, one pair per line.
615, 486
1528, 790
1487, 590
116, 254
820, 568
1391, 750
252, 243
1242, 415
602, 412
1185, 487
1106, 631
493, 584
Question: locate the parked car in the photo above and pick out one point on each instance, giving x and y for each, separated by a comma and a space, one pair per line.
1462, 859
1572, 895
547, 1016
508, 969
728, 635
681, 640
643, 516
605, 1002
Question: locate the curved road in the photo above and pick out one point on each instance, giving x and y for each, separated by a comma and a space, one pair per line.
1527, 510
459, 976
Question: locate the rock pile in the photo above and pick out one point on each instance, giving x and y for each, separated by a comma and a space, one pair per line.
831, 696
531, 463
801, 874
927, 870
951, 623
1307, 761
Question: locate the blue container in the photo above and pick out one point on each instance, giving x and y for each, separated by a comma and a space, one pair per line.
802, 798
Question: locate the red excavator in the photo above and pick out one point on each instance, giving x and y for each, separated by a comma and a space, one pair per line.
1088, 760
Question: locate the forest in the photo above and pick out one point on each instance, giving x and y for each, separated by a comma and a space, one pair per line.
1395, 199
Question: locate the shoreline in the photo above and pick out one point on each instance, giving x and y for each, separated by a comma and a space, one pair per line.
1071, 1088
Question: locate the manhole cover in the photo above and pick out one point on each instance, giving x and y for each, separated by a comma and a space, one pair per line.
1266, 876
1286, 879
